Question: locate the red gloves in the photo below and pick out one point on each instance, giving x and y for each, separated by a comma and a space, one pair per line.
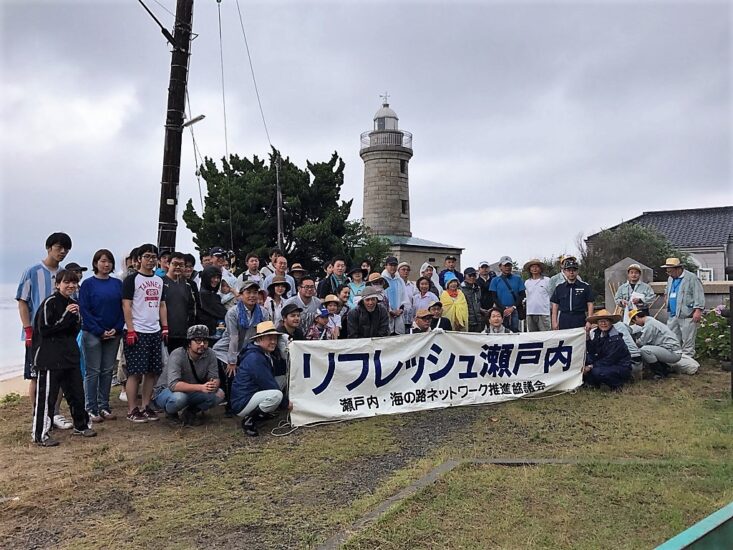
164, 333
130, 338
28, 336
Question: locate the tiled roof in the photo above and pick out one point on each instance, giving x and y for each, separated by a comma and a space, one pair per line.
696, 227
414, 241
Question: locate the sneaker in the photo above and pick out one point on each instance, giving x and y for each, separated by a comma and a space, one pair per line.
150, 414
173, 417
48, 442
189, 416
60, 422
249, 427
115, 382
94, 417
107, 414
86, 432
123, 396
136, 416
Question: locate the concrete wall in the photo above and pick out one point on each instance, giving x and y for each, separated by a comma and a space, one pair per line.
385, 187
714, 259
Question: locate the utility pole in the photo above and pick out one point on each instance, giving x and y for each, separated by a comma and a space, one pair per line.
167, 219
279, 195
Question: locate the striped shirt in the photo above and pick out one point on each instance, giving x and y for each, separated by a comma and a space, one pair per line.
36, 284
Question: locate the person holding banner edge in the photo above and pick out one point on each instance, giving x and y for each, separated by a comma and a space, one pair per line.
255, 391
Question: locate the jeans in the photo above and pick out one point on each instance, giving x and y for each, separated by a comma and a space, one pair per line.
100, 355
174, 401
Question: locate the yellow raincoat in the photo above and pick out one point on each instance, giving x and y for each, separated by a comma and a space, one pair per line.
455, 310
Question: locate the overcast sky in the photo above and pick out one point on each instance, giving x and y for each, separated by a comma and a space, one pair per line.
532, 122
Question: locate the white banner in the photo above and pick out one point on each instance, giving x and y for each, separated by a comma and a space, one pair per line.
346, 379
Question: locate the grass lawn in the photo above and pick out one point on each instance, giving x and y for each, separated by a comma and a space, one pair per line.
159, 485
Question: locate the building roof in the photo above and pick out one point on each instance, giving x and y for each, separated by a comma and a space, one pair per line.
414, 241
696, 227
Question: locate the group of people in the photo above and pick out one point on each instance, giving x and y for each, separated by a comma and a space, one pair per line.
187, 341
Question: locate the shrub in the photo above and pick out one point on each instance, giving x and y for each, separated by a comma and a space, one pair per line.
713, 336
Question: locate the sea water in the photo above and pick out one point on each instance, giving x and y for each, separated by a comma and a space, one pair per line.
13, 351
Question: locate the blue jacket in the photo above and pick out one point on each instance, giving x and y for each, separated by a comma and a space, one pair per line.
100, 304
255, 373
609, 351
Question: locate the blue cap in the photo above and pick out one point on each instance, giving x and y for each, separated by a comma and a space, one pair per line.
323, 312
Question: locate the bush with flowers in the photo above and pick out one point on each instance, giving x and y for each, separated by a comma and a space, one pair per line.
713, 336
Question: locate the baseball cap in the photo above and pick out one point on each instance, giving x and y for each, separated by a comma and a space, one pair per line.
570, 264
483, 263
249, 284
469, 271
73, 266
323, 312
290, 308
217, 251
421, 313
506, 260
451, 257
435, 303
391, 260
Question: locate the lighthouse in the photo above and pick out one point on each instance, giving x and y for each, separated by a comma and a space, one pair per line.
386, 151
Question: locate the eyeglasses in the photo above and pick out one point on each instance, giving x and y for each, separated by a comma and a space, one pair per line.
149, 256
308, 287
200, 341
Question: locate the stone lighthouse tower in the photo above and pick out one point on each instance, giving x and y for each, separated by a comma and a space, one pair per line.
386, 151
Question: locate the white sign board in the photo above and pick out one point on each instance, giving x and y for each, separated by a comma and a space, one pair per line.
347, 379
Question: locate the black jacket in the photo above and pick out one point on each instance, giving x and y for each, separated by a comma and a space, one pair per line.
212, 310
473, 298
364, 324
441, 322
54, 335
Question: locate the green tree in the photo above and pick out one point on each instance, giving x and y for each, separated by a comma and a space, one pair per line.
241, 210
644, 244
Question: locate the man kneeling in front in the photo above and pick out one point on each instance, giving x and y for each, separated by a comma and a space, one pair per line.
255, 392
190, 379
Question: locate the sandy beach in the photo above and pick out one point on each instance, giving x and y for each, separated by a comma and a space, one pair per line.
15, 384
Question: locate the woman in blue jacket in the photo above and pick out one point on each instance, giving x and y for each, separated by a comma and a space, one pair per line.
100, 302
608, 360
255, 391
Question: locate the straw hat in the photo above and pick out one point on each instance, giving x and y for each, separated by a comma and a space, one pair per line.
634, 266
534, 261
374, 277
672, 262
296, 267
604, 314
331, 298
265, 328
421, 313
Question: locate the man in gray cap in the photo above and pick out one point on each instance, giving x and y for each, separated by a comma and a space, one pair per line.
369, 318
190, 380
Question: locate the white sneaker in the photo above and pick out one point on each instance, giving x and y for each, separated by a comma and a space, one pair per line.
60, 422
123, 396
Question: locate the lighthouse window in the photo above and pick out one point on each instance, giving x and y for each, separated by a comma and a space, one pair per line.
380, 124
403, 166
404, 206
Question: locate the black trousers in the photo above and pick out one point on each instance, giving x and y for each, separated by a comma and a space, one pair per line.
49, 382
175, 343
225, 383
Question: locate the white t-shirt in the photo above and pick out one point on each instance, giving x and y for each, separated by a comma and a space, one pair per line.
538, 296
146, 293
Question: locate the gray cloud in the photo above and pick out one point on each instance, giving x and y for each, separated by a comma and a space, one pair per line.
532, 122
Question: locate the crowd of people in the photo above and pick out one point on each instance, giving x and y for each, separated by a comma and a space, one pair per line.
184, 341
